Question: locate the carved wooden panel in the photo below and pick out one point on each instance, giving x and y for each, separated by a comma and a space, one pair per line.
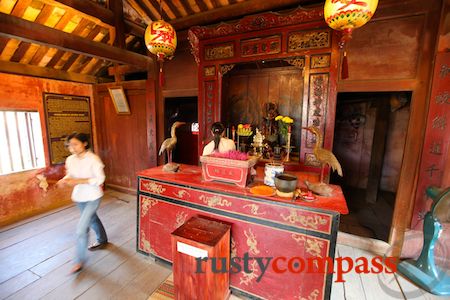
317, 104
320, 61
222, 51
302, 40
209, 71
261, 46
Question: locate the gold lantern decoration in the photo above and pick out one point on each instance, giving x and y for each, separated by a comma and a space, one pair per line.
346, 15
161, 40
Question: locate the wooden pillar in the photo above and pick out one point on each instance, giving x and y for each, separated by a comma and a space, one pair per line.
378, 146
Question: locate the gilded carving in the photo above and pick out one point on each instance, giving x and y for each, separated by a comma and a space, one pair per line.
247, 278
226, 68
147, 203
254, 209
209, 71
312, 296
318, 95
145, 244
261, 46
320, 61
181, 193
233, 248
302, 40
306, 221
312, 246
298, 62
252, 243
180, 218
215, 201
154, 187
219, 52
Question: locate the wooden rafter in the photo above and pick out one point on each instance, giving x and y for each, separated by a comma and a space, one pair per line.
155, 4
29, 70
89, 9
77, 31
23, 30
140, 10
202, 5
173, 8
187, 7
229, 12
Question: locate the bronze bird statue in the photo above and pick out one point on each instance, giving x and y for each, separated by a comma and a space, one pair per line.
322, 155
169, 144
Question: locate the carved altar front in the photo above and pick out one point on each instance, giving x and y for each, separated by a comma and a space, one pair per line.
299, 37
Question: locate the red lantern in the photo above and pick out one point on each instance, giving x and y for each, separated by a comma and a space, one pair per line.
346, 15
161, 40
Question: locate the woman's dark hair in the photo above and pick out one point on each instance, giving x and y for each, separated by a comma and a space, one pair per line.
217, 129
82, 137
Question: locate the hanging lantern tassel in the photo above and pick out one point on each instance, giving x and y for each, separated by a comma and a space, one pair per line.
344, 67
161, 74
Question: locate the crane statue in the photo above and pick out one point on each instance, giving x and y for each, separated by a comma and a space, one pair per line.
168, 145
324, 157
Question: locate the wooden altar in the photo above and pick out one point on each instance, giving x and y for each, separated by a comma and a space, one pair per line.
261, 226
300, 38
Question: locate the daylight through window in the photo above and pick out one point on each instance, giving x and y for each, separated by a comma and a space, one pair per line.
21, 146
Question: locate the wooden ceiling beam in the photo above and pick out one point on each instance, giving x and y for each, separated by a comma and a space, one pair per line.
230, 12
23, 30
117, 9
29, 70
88, 8
134, 28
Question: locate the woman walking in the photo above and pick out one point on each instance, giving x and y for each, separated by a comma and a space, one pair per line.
84, 171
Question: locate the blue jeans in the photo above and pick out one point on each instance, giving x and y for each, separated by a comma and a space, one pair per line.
88, 219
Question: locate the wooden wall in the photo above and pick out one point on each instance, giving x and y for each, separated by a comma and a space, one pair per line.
353, 144
395, 52
246, 92
127, 143
180, 75
20, 195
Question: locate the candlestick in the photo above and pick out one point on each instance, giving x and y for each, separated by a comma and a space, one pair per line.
288, 143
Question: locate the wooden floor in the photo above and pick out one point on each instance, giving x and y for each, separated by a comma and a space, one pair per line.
36, 257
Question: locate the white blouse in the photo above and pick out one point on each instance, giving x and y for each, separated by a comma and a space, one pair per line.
89, 166
225, 145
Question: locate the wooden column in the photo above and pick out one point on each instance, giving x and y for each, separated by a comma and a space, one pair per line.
377, 153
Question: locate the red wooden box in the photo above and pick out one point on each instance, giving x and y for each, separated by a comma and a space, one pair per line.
201, 238
227, 170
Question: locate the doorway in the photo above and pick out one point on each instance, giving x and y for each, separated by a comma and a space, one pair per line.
183, 109
369, 140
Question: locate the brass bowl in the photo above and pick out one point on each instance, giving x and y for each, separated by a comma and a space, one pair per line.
285, 183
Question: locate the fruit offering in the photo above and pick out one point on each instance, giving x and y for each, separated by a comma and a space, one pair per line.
244, 130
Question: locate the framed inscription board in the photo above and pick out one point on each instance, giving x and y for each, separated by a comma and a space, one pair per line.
65, 114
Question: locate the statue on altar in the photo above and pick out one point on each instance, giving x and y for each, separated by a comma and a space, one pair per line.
270, 126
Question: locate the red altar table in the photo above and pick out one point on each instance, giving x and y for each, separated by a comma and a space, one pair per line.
260, 227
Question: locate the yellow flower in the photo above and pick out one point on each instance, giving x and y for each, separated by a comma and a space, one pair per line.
240, 126
279, 118
287, 120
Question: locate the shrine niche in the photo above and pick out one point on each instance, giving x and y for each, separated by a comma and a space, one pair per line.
284, 59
